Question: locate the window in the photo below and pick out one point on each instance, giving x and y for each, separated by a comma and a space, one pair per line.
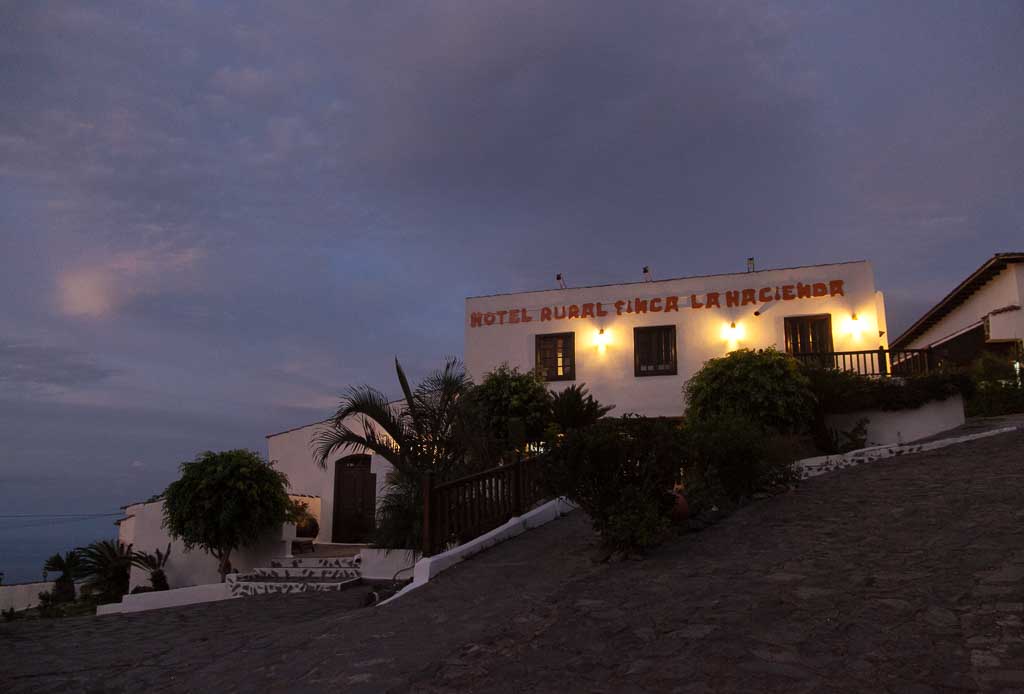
809, 334
556, 357
654, 351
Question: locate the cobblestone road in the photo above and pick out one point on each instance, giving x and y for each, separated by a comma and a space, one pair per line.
904, 575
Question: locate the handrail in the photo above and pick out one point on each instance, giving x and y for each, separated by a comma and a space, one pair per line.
459, 510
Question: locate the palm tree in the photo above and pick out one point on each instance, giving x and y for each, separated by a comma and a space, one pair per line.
420, 434
576, 408
69, 567
106, 566
154, 564
424, 433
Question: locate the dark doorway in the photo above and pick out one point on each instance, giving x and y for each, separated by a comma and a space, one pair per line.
355, 499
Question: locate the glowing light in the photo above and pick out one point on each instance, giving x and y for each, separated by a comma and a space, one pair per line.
732, 333
854, 326
602, 339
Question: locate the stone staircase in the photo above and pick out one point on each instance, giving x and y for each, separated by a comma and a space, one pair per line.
297, 575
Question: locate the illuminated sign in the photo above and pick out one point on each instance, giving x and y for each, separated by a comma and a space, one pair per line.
667, 304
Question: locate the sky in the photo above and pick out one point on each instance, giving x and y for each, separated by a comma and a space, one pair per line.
216, 216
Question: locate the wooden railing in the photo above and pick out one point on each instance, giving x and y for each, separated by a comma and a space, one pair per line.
873, 362
457, 511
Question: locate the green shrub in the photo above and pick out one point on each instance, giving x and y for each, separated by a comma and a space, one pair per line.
991, 399
765, 386
844, 391
511, 406
620, 472
729, 458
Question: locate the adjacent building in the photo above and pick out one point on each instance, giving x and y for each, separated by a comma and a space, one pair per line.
982, 314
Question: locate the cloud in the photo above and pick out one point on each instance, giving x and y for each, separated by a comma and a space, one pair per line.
99, 289
26, 365
244, 82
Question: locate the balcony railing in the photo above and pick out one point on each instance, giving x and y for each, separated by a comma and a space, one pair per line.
873, 362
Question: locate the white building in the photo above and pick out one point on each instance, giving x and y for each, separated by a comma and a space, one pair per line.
982, 314
634, 345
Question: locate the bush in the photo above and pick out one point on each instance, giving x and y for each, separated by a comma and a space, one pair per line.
511, 406
765, 387
844, 391
621, 473
729, 458
992, 399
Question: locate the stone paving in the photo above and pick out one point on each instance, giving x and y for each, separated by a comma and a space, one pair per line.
905, 575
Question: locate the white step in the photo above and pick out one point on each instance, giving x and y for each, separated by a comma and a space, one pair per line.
315, 563
307, 572
240, 587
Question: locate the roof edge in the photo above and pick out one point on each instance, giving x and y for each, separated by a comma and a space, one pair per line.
917, 327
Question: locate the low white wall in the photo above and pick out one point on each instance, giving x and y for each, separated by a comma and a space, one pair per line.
22, 596
382, 564
146, 534
902, 426
168, 598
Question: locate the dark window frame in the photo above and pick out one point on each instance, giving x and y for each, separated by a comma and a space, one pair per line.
789, 321
569, 347
673, 369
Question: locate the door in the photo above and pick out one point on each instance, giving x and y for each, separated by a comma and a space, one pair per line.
355, 499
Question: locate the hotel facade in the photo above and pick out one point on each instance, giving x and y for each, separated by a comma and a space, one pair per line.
635, 345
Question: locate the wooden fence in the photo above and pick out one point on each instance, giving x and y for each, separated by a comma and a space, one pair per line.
460, 510
873, 362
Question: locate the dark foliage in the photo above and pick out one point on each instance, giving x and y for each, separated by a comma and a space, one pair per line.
69, 566
621, 472
512, 407
729, 458
844, 391
154, 563
575, 408
106, 566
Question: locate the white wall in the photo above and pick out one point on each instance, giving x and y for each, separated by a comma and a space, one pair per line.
1005, 289
293, 455
903, 426
146, 534
22, 596
701, 333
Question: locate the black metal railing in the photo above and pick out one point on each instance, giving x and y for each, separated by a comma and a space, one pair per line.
873, 362
458, 511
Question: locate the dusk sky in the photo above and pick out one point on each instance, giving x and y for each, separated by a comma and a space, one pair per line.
215, 217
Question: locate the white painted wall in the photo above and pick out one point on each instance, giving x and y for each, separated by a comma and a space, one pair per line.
903, 426
146, 534
292, 454
701, 333
1005, 289
177, 597
22, 596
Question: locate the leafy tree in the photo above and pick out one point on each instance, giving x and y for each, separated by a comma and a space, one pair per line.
70, 567
512, 407
227, 500
765, 386
424, 433
575, 408
106, 566
154, 563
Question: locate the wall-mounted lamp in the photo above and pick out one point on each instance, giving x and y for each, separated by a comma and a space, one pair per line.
601, 339
733, 325
854, 316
